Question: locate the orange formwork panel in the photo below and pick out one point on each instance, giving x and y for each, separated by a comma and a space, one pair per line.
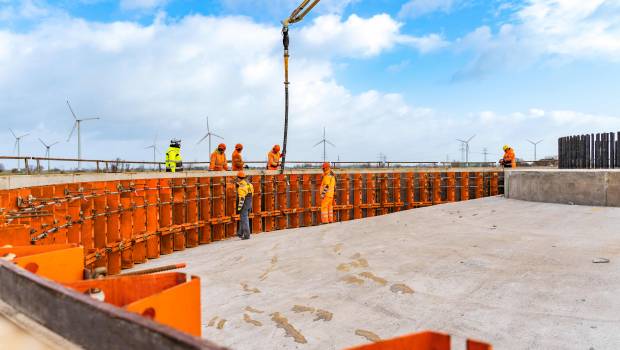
87, 222
231, 207
410, 191
74, 231
165, 215
257, 219
192, 211
14, 234
58, 262
47, 222
371, 195
357, 196
100, 222
316, 190
424, 190
494, 184
436, 188
168, 298
269, 203
282, 218
451, 187
384, 194
306, 200
139, 222
178, 212
61, 214
479, 190
345, 197
205, 209
152, 223
294, 201
218, 208
464, 186
126, 224
113, 231
396, 188
421, 341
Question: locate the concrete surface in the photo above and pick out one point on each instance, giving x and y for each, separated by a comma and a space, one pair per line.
517, 274
597, 187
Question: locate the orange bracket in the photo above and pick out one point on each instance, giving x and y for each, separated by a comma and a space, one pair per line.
421, 341
58, 262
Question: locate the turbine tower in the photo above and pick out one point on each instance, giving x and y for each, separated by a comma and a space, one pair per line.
154, 147
324, 141
535, 146
17, 147
209, 134
47, 151
77, 124
466, 143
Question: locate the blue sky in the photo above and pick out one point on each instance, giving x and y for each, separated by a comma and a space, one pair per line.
404, 78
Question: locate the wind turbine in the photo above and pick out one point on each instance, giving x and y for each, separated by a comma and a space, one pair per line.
17, 147
79, 134
154, 147
535, 145
466, 143
209, 134
324, 141
47, 151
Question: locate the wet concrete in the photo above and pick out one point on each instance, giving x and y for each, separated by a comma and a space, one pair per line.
519, 275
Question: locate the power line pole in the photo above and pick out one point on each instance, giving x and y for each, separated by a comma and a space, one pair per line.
485, 151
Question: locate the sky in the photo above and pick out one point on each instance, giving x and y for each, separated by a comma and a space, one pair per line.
404, 78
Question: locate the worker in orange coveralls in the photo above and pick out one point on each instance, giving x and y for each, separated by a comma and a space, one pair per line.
218, 159
273, 158
328, 188
509, 160
237, 160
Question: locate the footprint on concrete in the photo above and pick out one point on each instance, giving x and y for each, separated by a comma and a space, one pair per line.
282, 322
212, 321
249, 320
248, 289
338, 248
373, 277
358, 262
370, 336
220, 325
323, 315
251, 309
272, 266
300, 308
400, 288
350, 279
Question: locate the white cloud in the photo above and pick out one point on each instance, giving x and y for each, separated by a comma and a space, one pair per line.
417, 8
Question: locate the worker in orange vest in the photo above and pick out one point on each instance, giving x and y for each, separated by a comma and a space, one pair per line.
218, 159
509, 160
273, 158
237, 160
328, 189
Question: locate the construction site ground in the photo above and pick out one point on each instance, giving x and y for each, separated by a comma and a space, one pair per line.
517, 274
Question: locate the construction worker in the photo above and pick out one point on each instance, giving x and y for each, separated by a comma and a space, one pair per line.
174, 162
509, 160
245, 190
328, 188
273, 158
237, 160
218, 159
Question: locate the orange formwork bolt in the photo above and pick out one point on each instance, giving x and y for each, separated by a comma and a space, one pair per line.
178, 212
479, 185
231, 207
451, 187
113, 233
357, 196
384, 194
257, 200
126, 224
410, 191
139, 222
218, 208
269, 203
192, 211
306, 200
464, 186
424, 192
152, 224
205, 209
294, 197
100, 225
345, 197
396, 192
165, 215
282, 219
494, 184
437, 188
371, 194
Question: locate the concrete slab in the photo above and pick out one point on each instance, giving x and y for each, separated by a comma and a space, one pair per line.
516, 274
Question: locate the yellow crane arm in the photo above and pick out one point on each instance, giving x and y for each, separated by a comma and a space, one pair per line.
300, 12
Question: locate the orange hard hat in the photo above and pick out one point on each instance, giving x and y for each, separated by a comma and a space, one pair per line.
239, 147
241, 175
276, 148
221, 146
325, 166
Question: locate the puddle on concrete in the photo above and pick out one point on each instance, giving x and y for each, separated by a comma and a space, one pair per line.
372, 276
300, 308
401, 288
350, 279
282, 322
212, 321
370, 336
323, 315
249, 320
220, 325
248, 289
251, 309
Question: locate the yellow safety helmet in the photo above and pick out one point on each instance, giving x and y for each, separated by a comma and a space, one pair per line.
506, 147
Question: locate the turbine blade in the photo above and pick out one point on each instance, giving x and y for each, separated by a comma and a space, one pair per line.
208, 130
217, 136
461, 141
11, 130
71, 109
202, 139
24, 135
72, 130
539, 141
42, 142
15, 146
330, 143
471, 138
318, 143
94, 118
55, 143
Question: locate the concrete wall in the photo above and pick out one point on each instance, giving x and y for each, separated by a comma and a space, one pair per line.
580, 187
